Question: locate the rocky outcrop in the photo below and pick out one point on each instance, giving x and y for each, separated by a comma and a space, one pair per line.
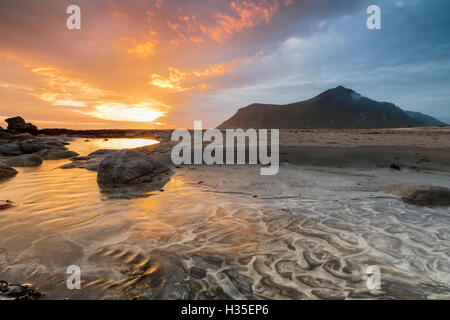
10, 149
6, 172
90, 162
129, 167
32, 145
422, 195
25, 160
19, 291
56, 154
5, 135
18, 125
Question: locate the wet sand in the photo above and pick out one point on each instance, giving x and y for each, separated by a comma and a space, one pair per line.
215, 232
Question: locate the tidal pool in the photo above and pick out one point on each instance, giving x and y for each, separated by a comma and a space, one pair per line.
215, 232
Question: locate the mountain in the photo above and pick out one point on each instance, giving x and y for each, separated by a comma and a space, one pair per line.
338, 108
428, 120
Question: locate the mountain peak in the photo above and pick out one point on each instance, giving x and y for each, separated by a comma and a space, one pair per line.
340, 90
337, 108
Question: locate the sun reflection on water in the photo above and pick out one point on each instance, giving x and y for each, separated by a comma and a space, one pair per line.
84, 147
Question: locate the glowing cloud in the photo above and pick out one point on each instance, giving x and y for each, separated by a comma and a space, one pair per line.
177, 77
143, 50
243, 15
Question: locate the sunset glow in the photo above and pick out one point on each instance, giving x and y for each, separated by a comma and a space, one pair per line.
158, 63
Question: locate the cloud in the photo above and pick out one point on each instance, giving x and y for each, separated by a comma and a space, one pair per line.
238, 17
246, 15
178, 80
143, 50
58, 88
198, 57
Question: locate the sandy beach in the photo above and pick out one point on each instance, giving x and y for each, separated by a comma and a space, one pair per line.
213, 232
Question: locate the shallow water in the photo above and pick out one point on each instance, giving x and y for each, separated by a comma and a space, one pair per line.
218, 232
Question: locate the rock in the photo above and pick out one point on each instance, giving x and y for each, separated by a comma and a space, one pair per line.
53, 144
10, 149
56, 154
90, 162
6, 204
422, 195
17, 125
19, 291
23, 136
5, 135
32, 146
6, 172
129, 167
25, 160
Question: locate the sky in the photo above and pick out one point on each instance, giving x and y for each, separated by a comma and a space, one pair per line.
157, 64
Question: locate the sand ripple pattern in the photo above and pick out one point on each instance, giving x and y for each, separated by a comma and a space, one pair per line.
195, 241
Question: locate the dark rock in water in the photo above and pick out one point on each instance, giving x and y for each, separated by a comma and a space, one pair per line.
10, 149
137, 190
90, 162
6, 204
25, 160
129, 167
19, 291
422, 195
23, 136
56, 154
18, 124
32, 145
6, 172
5, 135
395, 167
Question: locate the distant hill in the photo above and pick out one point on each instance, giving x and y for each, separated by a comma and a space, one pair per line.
428, 120
338, 108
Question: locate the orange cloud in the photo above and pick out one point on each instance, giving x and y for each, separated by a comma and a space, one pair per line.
62, 90
57, 88
144, 49
174, 81
244, 15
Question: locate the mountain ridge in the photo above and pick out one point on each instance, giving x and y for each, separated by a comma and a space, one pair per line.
338, 108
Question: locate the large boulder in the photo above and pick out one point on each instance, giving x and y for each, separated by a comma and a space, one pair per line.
10, 149
5, 135
18, 125
23, 136
90, 162
25, 160
6, 172
129, 167
56, 154
422, 195
32, 145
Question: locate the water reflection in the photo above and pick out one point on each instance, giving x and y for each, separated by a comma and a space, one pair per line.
84, 147
213, 239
